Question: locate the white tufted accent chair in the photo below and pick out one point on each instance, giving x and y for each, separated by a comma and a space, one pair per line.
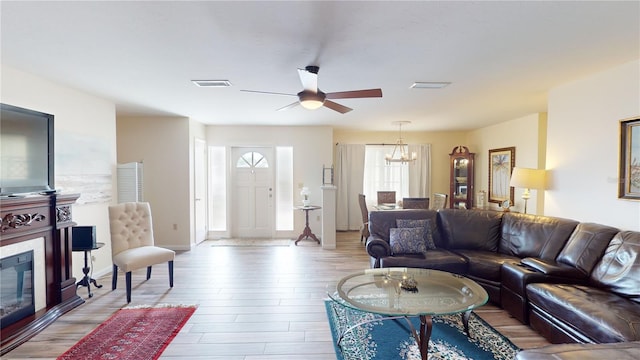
132, 245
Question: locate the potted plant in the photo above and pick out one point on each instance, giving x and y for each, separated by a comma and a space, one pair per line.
305, 196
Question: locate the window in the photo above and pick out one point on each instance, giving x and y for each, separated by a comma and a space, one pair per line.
252, 159
284, 188
217, 189
380, 176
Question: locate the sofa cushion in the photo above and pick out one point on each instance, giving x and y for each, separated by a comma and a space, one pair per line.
586, 246
380, 221
619, 268
485, 264
438, 259
600, 315
469, 229
424, 223
525, 235
407, 240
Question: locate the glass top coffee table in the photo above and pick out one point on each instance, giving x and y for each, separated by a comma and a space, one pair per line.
404, 292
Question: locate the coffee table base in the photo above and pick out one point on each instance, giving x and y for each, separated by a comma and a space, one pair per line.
426, 325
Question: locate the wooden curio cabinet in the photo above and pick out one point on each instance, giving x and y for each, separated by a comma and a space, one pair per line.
461, 187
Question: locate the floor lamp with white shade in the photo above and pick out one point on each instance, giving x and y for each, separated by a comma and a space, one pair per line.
527, 179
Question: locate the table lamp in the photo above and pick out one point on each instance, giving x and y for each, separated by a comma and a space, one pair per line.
527, 179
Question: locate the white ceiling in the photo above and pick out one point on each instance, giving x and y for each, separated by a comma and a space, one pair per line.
500, 57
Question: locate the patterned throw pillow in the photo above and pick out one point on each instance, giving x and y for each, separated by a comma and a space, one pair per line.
407, 240
426, 223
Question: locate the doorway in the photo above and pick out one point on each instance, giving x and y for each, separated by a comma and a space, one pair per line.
200, 190
252, 200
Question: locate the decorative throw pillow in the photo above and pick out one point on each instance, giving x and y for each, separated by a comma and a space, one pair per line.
426, 223
407, 240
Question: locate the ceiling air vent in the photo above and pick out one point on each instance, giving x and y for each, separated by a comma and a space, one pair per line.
212, 83
429, 85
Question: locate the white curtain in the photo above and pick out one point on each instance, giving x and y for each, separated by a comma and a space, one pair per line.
349, 175
420, 171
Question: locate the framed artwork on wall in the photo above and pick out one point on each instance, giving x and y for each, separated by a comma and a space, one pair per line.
501, 164
327, 175
629, 163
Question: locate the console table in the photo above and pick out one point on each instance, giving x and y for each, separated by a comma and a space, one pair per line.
307, 233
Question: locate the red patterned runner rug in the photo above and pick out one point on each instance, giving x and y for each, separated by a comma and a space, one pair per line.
139, 333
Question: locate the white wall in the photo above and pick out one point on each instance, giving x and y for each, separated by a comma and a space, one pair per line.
583, 147
312, 148
77, 115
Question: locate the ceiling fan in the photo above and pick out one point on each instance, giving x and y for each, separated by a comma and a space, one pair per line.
312, 98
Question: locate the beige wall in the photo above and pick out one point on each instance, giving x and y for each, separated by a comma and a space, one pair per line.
442, 143
526, 134
583, 146
162, 144
80, 116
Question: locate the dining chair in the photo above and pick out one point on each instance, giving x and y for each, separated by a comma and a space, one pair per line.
132, 243
439, 201
364, 228
386, 197
415, 203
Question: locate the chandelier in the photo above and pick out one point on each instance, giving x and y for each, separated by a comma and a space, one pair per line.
400, 152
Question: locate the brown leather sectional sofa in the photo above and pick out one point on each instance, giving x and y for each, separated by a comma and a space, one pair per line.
610, 351
572, 282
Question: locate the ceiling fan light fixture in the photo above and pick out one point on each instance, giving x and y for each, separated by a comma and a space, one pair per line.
429, 85
310, 100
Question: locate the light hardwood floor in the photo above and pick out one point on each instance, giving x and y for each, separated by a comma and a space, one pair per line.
254, 303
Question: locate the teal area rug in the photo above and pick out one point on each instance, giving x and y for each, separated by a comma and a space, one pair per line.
391, 339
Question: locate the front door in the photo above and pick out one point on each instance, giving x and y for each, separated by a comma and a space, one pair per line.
252, 199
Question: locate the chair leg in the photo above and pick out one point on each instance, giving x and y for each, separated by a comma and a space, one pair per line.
171, 273
128, 281
148, 272
114, 279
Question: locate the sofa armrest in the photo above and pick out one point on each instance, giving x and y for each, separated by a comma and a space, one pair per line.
378, 248
552, 268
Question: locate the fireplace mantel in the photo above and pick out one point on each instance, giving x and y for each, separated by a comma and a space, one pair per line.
48, 217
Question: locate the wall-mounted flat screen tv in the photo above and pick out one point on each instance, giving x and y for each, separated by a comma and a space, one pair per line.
26, 151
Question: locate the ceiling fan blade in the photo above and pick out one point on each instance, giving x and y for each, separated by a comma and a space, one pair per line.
368, 93
337, 107
309, 80
268, 92
292, 105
